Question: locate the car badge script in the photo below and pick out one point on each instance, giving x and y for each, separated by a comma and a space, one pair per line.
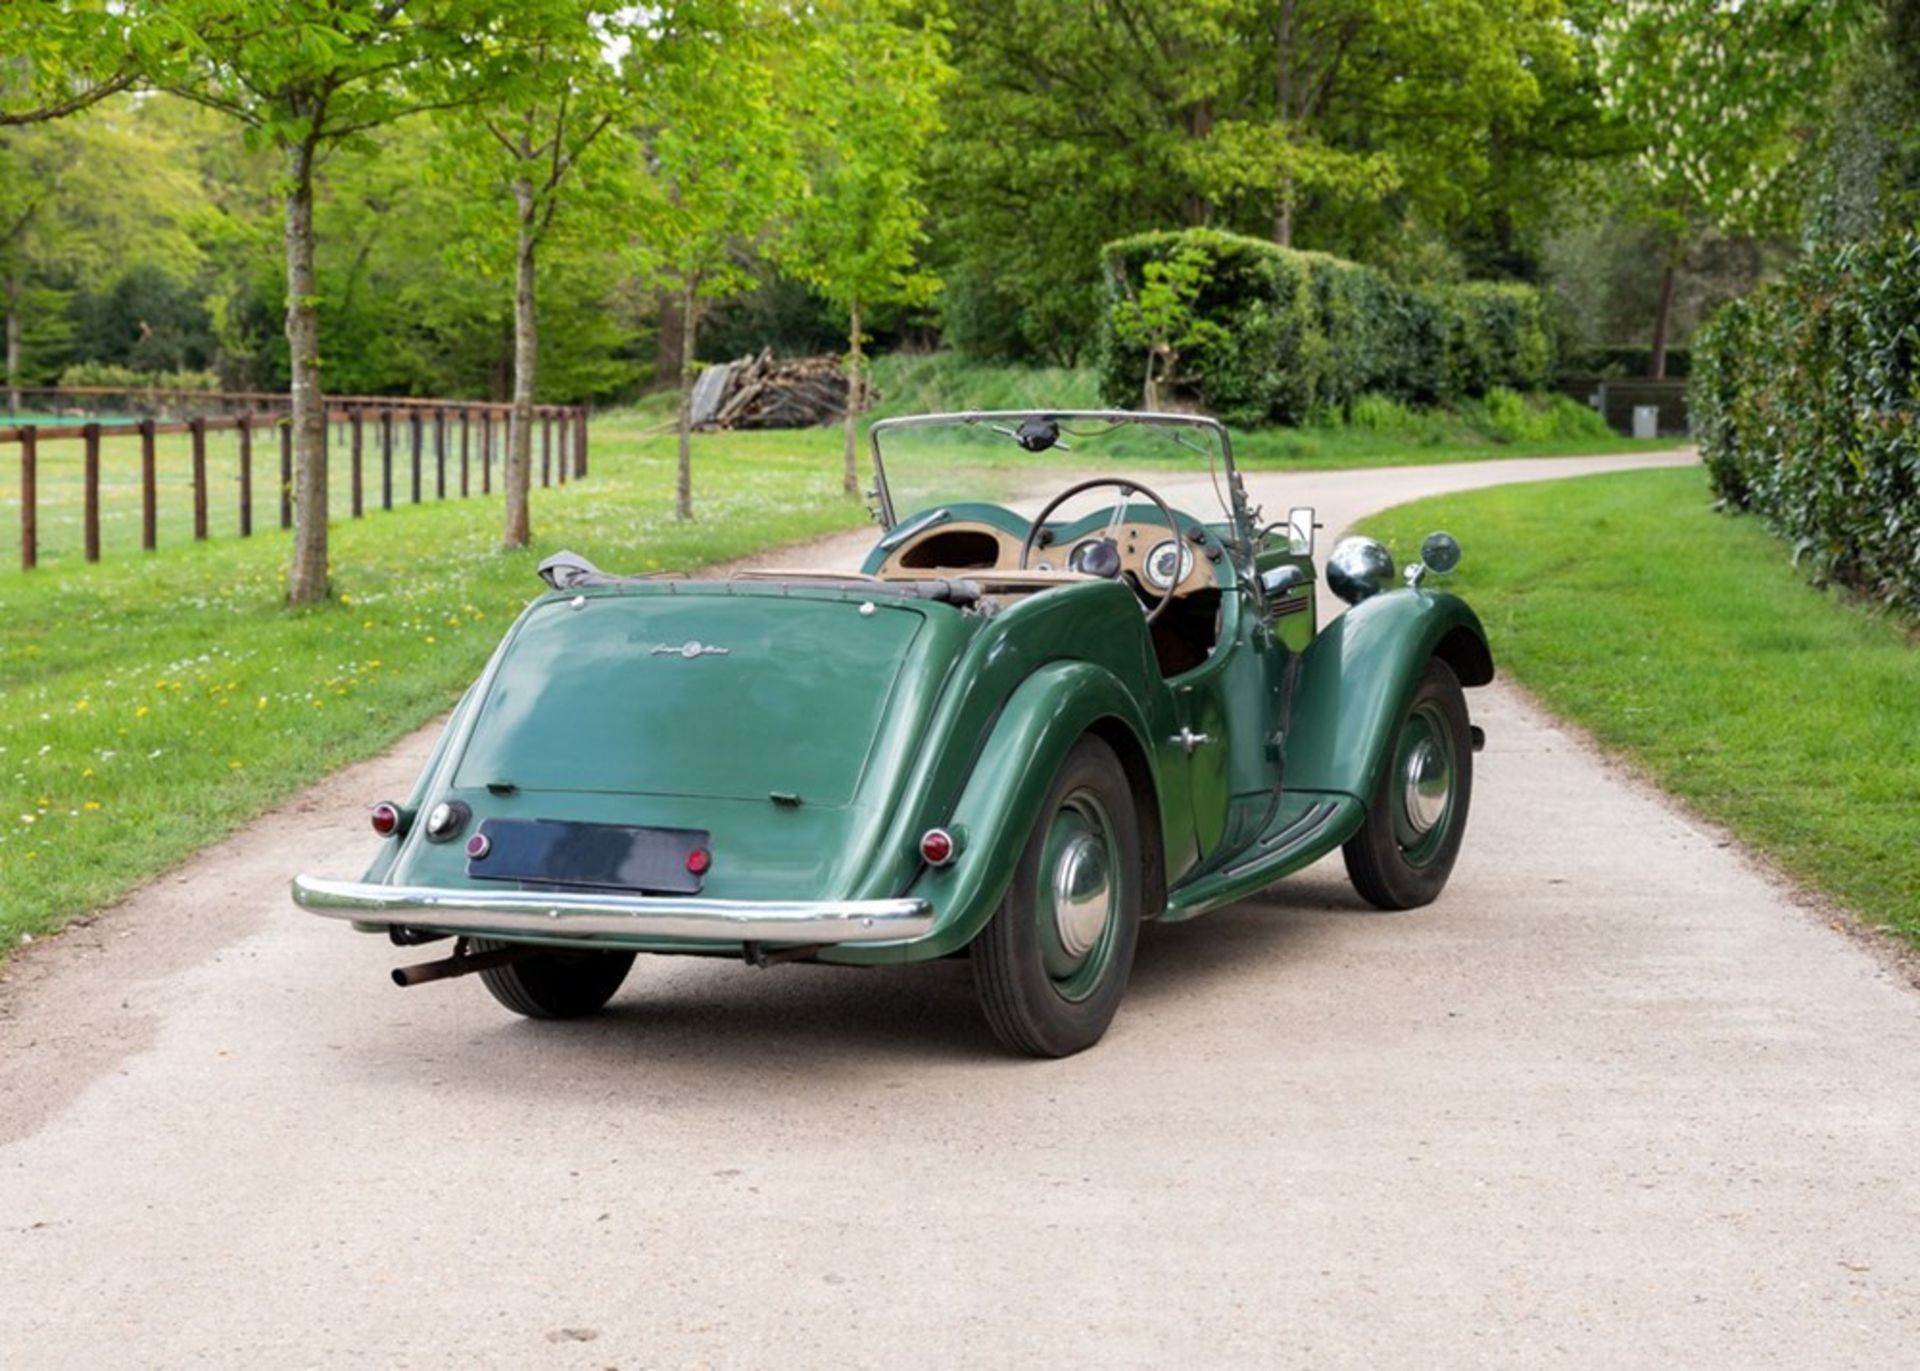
690, 650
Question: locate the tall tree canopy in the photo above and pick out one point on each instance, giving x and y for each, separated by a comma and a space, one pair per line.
545, 104
869, 90
1337, 124
1722, 96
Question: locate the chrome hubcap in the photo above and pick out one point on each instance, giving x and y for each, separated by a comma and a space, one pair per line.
1082, 893
1426, 785
1078, 895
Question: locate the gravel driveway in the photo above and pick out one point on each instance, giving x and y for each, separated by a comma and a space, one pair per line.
1616, 1100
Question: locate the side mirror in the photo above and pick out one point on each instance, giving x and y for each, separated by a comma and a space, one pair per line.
1439, 554
1283, 581
1300, 527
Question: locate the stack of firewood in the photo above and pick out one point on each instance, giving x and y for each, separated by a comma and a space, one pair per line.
762, 392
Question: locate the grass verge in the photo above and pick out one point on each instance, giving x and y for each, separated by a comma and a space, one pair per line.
1684, 640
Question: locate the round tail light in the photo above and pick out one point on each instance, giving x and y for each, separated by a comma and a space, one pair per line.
936, 847
385, 818
699, 860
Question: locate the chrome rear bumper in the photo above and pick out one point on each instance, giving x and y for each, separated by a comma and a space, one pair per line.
621, 918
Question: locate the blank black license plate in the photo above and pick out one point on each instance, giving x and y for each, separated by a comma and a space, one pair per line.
591, 856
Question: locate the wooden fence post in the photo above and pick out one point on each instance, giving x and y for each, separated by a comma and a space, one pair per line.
286, 473
197, 428
486, 452
465, 416
413, 427
580, 443
245, 421
29, 497
91, 433
546, 448
357, 442
386, 459
149, 496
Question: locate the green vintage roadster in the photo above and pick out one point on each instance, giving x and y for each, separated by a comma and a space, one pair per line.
1007, 738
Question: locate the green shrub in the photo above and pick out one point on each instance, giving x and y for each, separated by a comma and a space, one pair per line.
1806, 401
1507, 416
1624, 363
1290, 335
108, 376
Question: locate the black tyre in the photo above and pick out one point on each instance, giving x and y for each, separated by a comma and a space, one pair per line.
556, 984
1052, 965
1404, 852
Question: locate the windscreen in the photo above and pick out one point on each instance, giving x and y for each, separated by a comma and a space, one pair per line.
1019, 460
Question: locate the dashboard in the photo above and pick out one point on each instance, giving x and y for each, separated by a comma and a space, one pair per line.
1148, 553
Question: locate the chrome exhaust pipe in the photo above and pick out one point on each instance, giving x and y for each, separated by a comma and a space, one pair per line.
460, 964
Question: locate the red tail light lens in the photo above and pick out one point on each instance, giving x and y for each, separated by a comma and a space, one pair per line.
936, 847
699, 860
386, 819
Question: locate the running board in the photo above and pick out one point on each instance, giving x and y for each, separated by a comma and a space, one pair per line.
1310, 824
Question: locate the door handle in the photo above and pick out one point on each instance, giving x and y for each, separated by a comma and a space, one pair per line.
1189, 740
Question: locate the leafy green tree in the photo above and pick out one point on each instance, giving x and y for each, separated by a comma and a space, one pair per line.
58, 57
303, 76
1160, 320
1721, 95
870, 86
717, 144
558, 98
83, 202
1344, 125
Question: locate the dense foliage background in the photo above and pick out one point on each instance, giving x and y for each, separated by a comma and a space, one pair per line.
1806, 399
1627, 161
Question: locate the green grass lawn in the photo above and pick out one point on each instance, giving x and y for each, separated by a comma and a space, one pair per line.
1685, 640
154, 702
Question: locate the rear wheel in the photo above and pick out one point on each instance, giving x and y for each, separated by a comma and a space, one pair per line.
554, 984
1052, 965
1404, 852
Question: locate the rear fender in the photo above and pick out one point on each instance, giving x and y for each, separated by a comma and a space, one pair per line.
1045, 716
1356, 677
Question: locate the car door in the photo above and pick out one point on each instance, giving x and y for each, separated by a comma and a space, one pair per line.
1229, 710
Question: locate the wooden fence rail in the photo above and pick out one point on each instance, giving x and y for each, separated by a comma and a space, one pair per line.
423, 423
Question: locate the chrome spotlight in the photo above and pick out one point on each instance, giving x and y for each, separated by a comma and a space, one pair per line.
1359, 567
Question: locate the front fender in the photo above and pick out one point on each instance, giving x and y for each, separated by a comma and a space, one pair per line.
1044, 717
1355, 679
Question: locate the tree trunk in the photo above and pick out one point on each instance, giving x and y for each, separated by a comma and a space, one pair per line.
13, 343
1662, 322
683, 476
666, 347
850, 448
307, 577
1283, 38
517, 473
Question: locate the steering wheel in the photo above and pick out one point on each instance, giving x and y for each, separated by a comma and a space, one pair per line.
1109, 540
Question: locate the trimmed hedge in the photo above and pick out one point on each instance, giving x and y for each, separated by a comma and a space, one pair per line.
1299, 333
1806, 402
1625, 363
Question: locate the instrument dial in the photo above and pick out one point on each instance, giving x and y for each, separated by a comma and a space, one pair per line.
1168, 564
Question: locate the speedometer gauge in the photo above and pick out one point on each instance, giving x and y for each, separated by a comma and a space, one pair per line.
1168, 564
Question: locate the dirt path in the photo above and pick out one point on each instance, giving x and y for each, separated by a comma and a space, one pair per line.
1614, 1101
